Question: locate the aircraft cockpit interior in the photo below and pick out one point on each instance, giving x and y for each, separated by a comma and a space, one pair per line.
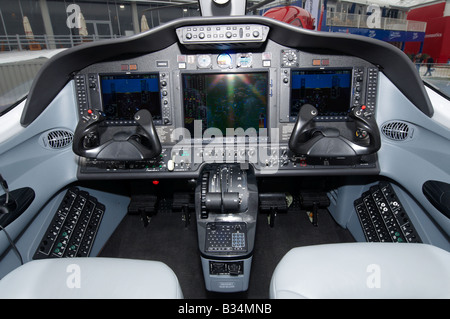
226, 155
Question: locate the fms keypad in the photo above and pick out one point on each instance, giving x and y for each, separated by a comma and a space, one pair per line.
226, 237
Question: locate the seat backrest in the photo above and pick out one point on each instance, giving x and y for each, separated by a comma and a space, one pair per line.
363, 270
91, 278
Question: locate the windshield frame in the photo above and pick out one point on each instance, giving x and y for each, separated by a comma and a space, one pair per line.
436, 89
7, 108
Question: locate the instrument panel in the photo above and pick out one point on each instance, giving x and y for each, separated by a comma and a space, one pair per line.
227, 105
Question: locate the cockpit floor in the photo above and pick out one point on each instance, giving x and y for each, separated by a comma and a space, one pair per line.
168, 240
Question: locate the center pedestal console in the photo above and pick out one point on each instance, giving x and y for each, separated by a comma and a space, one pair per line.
227, 208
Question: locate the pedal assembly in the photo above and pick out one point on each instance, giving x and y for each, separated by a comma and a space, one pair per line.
143, 205
185, 203
148, 205
274, 203
312, 201
269, 203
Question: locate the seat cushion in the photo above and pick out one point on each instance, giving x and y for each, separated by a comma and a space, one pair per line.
363, 270
91, 278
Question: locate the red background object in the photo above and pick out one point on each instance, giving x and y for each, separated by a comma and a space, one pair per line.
292, 15
437, 35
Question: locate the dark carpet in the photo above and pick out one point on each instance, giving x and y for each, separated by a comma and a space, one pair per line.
168, 240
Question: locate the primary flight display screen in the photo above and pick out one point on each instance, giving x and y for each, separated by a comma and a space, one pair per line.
125, 94
225, 100
328, 90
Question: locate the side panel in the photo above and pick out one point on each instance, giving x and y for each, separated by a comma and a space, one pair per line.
407, 164
116, 208
24, 162
425, 156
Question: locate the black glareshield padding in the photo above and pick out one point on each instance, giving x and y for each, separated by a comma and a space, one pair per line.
93, 139
310, 139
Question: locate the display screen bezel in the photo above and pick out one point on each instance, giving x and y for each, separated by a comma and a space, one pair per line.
224, 134
157, 116
342, 114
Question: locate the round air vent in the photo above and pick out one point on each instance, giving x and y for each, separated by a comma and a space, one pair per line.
397, 130
56, 139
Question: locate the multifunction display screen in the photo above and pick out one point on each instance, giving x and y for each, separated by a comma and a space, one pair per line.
225, 100
125, 94
327, 90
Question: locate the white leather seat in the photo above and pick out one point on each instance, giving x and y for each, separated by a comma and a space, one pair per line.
363, 270
89, 278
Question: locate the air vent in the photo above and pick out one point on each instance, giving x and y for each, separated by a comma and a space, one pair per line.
397, 130
56, 139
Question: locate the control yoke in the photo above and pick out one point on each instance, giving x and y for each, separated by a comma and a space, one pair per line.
97, 141
308, 138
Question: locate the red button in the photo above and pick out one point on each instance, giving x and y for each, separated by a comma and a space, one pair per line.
90, 111
363, 107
